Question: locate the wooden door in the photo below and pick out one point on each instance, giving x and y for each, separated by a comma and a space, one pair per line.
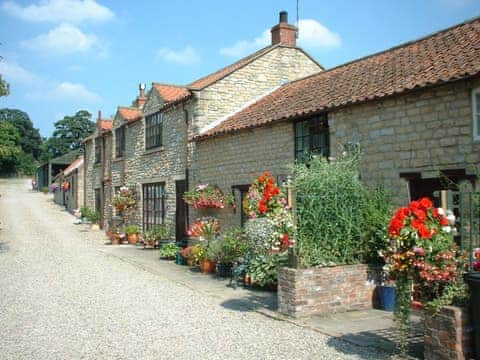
181, 210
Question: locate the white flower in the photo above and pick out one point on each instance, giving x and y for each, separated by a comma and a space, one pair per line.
450, 217
441, 211
447, 229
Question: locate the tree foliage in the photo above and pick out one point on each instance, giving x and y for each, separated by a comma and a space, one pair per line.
69, 133
9, 148
30, 139
4, 87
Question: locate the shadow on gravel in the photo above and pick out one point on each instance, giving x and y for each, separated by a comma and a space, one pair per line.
252, 302
384, 339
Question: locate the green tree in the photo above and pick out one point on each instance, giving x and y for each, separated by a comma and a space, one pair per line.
4, 87
10, 149
30, 139
69, 133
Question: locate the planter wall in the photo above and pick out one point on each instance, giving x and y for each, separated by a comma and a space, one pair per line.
322, 291
448, 334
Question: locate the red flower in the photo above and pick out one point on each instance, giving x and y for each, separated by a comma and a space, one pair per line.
444, 221
262, 206
426, 203
417, 224
420, 214
414, 205
424, 232
435, 213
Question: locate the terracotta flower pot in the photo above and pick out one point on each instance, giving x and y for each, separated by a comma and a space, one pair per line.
115, 239
132, 238
207, 266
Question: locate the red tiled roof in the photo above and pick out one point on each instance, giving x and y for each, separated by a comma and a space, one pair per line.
211, 78
448, 55
130, 114
106, 124
171, 93
74, 165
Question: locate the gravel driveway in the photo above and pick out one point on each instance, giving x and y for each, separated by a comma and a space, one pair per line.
61, 298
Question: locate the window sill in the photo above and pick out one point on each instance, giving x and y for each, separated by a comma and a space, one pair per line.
153, 150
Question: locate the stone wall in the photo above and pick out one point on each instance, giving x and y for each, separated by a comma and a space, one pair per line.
448, 334
235, 91
322, 291
236, 160
426, 131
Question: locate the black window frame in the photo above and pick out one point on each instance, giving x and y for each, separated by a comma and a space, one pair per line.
308, 135
153, 205
154, 130
242, 190
120, 142
98, 150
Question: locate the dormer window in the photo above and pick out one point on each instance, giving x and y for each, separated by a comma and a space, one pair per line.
476, 114
153, 130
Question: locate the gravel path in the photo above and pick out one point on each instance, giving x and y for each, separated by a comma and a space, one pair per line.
61, 298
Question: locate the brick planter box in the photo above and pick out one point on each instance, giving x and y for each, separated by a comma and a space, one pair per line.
322, 291
448, 334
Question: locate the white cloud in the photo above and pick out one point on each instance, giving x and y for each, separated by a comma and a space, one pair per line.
64, 91
75, 11
185, 56
16, 73
313, 35
62, 40
244, 47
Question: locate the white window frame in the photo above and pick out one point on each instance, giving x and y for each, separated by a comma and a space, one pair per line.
475, 114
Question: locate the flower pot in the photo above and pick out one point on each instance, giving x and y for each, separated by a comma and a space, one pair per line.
179, 259
207, 266
191, 262
224, 270
132, 238
473, 280
386, 296
116, 239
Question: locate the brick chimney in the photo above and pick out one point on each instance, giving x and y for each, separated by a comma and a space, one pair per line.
141, 98
99, 121
284, 33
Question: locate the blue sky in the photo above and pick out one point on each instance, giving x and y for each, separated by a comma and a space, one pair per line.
60, 56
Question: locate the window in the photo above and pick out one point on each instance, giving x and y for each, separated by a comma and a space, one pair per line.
153, 205
312, 138
120, 142
153, 130
476, 113
98, 150
243, 190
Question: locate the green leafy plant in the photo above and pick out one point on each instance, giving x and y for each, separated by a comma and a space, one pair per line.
85, 212
132, 229
94, 217
339, 219
45, 189
169, 251
208, 196
263, 269
231, 247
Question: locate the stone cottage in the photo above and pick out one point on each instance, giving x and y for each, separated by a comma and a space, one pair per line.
151, 152
70, 186
97, 167
414, 109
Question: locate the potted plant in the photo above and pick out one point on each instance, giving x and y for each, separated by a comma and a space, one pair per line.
185, 255
208, 196
205, 229
94, 217
386, 292
155, 235
124, 199
230, 248
169, 251
263, 270
132, 233
116, 236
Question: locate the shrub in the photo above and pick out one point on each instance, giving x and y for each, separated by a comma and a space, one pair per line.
231, 247
339, 219
132, 229
263, 269
169, 251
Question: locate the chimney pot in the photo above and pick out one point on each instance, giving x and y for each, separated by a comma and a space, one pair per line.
284, 33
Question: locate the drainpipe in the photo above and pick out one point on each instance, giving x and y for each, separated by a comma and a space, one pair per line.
186, 164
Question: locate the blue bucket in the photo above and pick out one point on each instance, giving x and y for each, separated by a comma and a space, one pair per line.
386, 296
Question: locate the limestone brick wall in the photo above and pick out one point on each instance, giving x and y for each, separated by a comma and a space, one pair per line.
323, 291
80, 179
160, 165
107, 206
238, 159
254, 80
89, 174
426, 131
